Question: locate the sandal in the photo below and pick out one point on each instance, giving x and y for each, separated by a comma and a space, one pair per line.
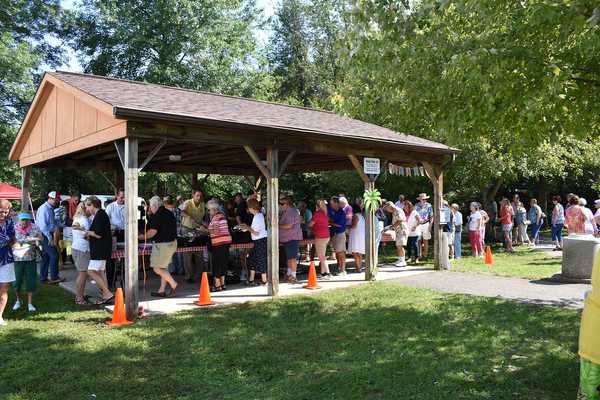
80, 301
173, 291
158, 294
107, 300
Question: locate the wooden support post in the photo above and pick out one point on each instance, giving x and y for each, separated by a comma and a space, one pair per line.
273, 220
25, 185
271, 174
436, 176
370, 221
131, 227
371, 249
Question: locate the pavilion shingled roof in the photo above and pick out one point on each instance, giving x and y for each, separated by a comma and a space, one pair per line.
142, 97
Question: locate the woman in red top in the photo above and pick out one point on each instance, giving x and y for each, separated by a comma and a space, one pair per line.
220, 239
320, 228
506, 220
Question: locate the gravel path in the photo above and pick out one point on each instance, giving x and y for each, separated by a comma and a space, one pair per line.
523, 290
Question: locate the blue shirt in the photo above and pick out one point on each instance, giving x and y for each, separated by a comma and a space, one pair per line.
337, 217
425, 211
45, 220
7, 234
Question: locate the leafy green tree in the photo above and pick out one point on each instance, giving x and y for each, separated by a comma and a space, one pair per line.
29, 38
304, 50
196, 44
506, 82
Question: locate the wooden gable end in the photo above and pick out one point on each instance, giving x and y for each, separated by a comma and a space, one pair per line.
64, 120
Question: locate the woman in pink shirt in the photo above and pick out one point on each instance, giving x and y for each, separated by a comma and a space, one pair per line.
575, 217
320, 227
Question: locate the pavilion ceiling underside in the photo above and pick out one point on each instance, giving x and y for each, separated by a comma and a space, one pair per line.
201, 158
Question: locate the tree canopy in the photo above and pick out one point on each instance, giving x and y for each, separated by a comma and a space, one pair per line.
512, 85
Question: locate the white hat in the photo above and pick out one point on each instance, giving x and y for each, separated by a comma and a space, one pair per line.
422, 196
343, 200
52, 195
597, 201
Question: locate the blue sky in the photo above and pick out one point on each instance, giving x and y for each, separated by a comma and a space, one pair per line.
262, 35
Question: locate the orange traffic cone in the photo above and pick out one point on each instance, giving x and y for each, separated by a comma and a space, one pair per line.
488, 256
312, 278
204, 297
119, 317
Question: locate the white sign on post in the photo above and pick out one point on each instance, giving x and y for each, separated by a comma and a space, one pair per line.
371, 166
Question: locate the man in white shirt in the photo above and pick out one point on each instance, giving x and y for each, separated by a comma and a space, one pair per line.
400, 202
116, 212
458, 223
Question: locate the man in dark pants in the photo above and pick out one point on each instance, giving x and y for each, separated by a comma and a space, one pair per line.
47, 225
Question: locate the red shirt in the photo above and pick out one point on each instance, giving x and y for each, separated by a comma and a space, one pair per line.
321, 225
506, 215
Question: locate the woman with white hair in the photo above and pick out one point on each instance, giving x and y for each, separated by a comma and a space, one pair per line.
590, 223
220, 239
162, 230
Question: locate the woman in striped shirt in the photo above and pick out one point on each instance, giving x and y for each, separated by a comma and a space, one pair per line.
220, 239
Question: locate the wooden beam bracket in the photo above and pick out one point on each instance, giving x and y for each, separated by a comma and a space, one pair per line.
120, 146
259, 164
152, 154
286, 162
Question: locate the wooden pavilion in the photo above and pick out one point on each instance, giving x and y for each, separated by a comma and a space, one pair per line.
87, 121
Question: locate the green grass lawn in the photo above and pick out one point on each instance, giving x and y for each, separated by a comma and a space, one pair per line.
523, 263
376, 341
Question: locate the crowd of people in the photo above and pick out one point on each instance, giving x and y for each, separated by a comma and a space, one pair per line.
334, 223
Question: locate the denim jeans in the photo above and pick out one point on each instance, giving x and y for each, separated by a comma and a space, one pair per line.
535, 230
457, 244
49, 260
176, 265
557, 232
412, 247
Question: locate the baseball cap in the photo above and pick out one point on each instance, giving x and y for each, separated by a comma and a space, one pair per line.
597, 201
52, 195
24, 215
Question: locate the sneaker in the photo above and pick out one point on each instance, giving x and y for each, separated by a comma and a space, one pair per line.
2, 322
325, 277
342, 273
17, 305
31, 308
292, 280
401, 263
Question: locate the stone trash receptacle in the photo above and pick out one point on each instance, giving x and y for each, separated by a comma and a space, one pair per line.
578, 256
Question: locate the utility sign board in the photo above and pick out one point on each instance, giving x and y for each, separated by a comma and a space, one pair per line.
371, 166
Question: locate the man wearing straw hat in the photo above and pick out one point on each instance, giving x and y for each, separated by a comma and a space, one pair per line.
425, 211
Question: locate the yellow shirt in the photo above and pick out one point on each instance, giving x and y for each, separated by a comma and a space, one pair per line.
589, 333
196, 211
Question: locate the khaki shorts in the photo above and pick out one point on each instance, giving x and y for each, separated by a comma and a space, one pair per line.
81, 259
321, 245
401, 238
162, 254
338, 242
97, 265
425, 232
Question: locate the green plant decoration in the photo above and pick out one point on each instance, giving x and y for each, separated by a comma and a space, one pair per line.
372, 199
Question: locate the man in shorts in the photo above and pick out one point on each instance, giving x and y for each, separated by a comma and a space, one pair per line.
290, 235
337, 219
401, 228
425, 211
162, 230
